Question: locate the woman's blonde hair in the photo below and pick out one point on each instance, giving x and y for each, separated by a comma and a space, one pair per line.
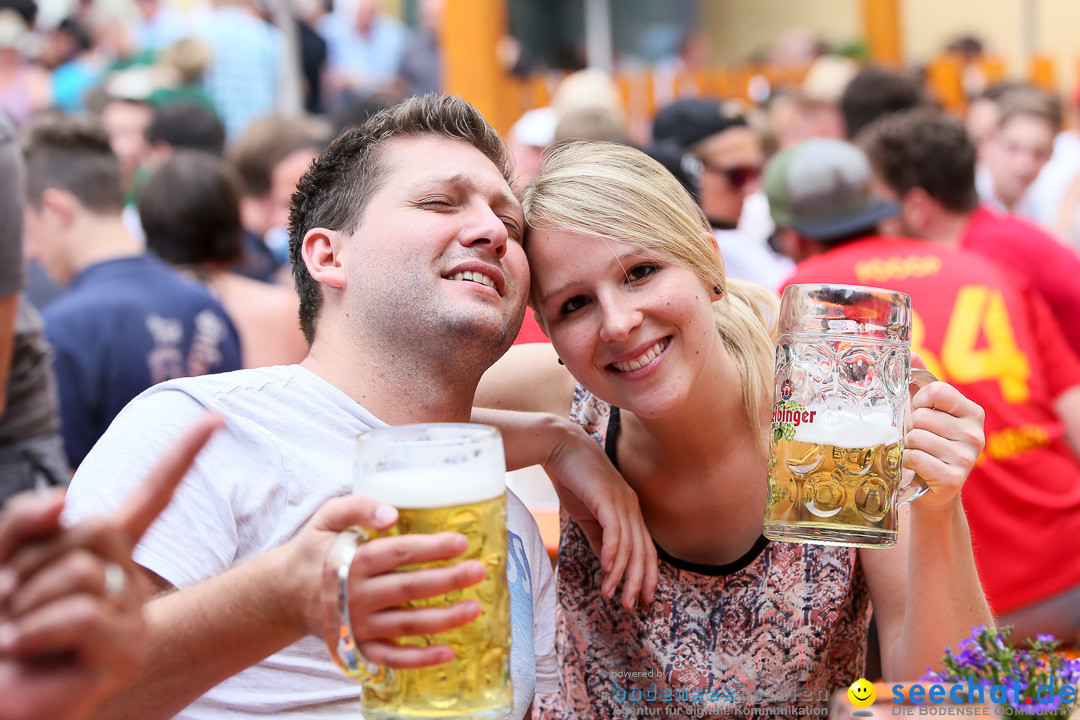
620, 194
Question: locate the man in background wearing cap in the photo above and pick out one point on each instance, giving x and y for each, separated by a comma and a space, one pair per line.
818, 97
986, 332
718, 158
529, 137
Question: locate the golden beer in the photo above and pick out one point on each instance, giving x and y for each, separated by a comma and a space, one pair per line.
824, 488
476, 683
440, 477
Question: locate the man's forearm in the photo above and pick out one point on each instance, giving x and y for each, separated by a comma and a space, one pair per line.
201, 636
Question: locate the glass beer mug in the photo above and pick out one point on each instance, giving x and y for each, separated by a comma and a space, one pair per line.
440, 477
843, 369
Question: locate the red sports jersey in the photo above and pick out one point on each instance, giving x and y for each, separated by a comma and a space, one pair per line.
984, 330
1051, 268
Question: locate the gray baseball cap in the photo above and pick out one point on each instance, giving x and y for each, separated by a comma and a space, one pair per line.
821, 189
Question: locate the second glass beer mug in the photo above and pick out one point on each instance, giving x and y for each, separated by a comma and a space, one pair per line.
843, 368
440, 477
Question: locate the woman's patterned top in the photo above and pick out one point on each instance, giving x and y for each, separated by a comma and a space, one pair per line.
782, 626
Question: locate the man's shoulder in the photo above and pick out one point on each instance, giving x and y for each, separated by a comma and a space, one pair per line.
158, 288
127, 281
223, 391
989, 226
845, 254
79, 315
882, 261
109, 300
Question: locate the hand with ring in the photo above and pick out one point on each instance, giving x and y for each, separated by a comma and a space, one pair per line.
71, 624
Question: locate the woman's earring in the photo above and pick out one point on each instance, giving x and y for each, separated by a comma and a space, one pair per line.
561, 362
716, 289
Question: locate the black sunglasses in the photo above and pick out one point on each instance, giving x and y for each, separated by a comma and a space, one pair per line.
737, 176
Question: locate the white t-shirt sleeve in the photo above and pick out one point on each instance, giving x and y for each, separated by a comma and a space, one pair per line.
543, 597
197, 535
547, 664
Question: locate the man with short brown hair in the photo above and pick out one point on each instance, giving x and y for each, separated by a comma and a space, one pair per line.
1020, 145
405, 238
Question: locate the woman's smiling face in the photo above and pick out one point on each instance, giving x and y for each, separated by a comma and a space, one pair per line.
632, 326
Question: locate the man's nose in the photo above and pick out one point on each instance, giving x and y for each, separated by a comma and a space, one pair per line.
487, 228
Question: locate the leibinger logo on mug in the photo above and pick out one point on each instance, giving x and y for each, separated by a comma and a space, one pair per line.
789, 414
786, 389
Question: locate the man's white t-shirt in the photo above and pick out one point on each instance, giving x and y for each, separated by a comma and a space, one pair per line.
287, 448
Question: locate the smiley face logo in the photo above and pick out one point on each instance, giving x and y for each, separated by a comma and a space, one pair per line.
862, 693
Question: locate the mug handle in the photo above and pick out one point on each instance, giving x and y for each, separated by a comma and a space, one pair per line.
915, 487
337, 621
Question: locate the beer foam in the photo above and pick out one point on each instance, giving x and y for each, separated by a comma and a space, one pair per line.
432, 487
845, 429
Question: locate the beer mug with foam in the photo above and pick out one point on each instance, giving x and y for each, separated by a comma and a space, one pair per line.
843, 371
439, 477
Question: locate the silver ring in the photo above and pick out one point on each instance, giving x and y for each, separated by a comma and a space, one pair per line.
115, 581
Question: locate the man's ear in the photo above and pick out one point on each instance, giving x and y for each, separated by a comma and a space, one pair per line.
797, 246
60, 205
788, 243
321, 251
915, 209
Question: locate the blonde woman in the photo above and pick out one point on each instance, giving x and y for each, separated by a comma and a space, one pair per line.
669, 367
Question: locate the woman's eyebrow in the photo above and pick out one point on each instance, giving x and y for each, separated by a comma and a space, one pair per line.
620, 260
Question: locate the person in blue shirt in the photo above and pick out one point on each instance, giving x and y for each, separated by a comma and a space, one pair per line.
126, 321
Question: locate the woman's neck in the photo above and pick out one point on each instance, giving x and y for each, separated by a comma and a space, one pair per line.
700, 472
708, 426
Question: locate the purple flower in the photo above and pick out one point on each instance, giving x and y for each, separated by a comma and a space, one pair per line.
1070, 672
987, 658
971, 658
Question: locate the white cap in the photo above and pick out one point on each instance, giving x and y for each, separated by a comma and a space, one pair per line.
536, 127
827, 78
